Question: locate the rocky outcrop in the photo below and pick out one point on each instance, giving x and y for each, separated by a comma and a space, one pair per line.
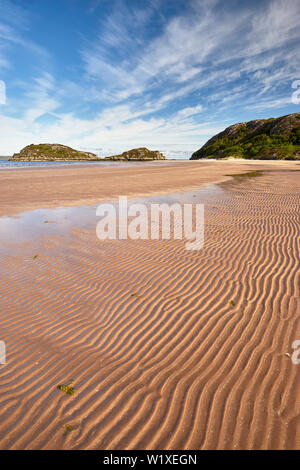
51, 152
274, 138
139, 154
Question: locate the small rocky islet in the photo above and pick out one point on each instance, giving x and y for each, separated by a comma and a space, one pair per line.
51, 152
139, 154
59, 152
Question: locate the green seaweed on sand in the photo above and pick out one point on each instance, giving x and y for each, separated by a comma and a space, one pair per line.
68, 429
68, 389
249, 174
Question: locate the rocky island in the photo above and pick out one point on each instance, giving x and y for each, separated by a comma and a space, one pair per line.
51, 152
262, 139
139, 154
58, 152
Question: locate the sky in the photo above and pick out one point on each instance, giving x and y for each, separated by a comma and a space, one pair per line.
110, 75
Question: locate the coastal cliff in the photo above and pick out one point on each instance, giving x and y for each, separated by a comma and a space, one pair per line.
265, 139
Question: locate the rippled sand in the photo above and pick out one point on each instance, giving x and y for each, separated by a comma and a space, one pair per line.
197, 360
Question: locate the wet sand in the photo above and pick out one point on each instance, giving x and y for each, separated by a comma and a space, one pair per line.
197, 359
34, 188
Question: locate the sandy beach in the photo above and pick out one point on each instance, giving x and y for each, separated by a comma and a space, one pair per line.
168, 348
27, 189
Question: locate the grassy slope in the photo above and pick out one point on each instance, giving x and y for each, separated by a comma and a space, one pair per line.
259, 144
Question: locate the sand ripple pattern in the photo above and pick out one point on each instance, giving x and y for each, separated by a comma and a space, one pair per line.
178, 366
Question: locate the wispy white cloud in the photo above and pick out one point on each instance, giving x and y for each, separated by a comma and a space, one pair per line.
190, 111
152, 87
278, 25
268, 104
114, 127
196, 47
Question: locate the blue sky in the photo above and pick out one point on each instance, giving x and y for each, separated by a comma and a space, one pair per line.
107, 76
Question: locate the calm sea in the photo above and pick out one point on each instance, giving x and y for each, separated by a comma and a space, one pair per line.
5, 164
